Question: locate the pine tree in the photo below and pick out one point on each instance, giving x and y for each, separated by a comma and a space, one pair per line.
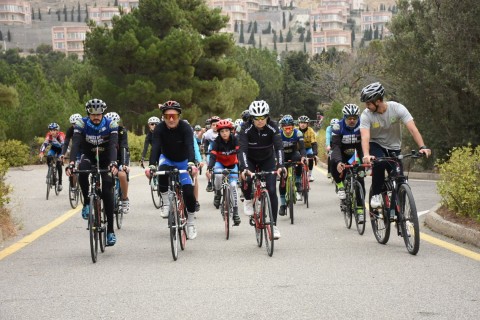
255, 27
1, 35
251, 40
33, 14
235, 26
260, 42
241, 39
289, 36
284, 23
314, 26
304, 47
39, 14
309, 36
9, 36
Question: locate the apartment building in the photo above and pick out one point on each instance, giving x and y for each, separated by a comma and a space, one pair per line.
375, 19
15, 12
69, 39
328, 26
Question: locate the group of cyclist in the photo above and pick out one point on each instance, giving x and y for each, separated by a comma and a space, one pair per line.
254, 142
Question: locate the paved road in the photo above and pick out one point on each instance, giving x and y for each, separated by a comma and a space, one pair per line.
319, 268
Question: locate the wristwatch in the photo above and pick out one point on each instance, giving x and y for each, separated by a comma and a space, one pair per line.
423, 147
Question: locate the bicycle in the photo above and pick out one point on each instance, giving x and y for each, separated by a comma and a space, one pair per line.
177, 218
156, 194
354, 202
398, 205
52, 180
227, 198
117, 203
96, 216
290, 197
262, 218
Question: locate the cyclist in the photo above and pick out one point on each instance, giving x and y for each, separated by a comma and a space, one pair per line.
198, 136
294, 150
260, 146
172, 146
123, 160
310, 140
208, 138
152, 122
68, 136
245, 115
224, 155
199, 164
92, 131
237, 125
381, 133
346, 147
328, 147
55, 138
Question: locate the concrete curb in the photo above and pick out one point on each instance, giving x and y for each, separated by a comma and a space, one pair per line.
457, 232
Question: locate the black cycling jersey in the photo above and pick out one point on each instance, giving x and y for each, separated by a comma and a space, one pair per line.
68, 137
258, 145
148, 142
123, 154
176, 144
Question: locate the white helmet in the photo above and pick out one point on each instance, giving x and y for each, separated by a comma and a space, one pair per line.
155, 120
75, 117
113, 116
259, 108
95, 106
334, 121
350, 109
238, 122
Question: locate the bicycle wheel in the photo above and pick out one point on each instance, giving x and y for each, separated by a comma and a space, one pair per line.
182, 218
347, 205
306, 187
409, 219
101, 224
73, 194
49, 180
257, 222
226, 210
174, 223
267, 222
156, 194
380, 221
291, 201
117, 208
55, 179
92, 228
358, 206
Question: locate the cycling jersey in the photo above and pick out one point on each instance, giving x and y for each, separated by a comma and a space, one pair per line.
309, 138
123, 154
224, 152
345, 140
176, 144
260, 144
148, 142
68, 137
293, 143
55, 142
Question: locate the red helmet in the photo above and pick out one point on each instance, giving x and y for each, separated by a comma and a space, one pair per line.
224, 124
171, 105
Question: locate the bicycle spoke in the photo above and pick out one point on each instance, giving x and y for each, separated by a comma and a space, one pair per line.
409, 219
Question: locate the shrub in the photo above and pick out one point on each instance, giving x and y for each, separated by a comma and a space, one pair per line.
135, 144
7, 226
459, 181
14, 152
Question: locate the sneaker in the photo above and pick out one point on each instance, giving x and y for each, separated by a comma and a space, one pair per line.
85, 211
164, 213
209, 187
298, 185
126, 206
341, 193
276, 233
111, 239
236, 217
248, 207
329, 175
376, 201
197, 206
299, 196
216, 199
242, 197
311, 178
60, 188
283, 210
191, 231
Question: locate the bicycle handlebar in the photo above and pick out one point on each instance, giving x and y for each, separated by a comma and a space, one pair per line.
346, 166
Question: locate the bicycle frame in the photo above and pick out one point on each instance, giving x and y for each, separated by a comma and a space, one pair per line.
227, 204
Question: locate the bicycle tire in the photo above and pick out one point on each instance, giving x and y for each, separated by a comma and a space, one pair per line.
347, 205
117, 209
49, 180
292, 198
306, 187
156, 196
267, 222
73, 194
226, 211
173, 223
182, 218
92, 232
359, 198
102, 225
380, 221
257, 221
408, 219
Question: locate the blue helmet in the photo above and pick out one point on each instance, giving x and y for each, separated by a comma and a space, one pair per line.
287, 120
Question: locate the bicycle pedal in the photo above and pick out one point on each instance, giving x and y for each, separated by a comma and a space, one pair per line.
252, 222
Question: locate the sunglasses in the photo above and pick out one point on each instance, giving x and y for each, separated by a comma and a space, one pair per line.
152, 124
288, 128
172, 116
352, 118
260, 118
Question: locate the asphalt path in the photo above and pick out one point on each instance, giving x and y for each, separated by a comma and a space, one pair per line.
319, 269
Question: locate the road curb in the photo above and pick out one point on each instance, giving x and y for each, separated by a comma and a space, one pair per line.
457, 232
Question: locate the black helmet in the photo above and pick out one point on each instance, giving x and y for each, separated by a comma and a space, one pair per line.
372, 92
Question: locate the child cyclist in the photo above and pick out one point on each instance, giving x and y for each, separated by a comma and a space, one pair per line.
223, 154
